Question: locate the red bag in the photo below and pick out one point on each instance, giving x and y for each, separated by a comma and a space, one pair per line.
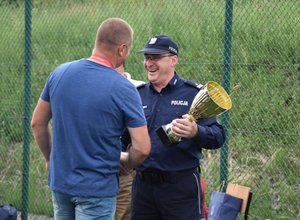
202, 182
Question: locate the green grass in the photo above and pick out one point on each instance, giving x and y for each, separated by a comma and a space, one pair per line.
264, 138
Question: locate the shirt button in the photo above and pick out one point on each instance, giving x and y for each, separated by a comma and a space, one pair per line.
158, 110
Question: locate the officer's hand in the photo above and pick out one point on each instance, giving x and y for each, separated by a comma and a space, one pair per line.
184, 127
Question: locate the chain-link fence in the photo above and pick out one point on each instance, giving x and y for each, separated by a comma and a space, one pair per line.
252, 44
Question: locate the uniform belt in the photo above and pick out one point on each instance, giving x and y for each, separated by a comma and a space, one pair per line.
158, 177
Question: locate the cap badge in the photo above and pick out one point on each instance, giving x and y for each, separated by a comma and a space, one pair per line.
153, 40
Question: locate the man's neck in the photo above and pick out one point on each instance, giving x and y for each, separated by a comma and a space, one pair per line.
101, 59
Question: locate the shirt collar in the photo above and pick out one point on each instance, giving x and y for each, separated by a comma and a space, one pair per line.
173, 83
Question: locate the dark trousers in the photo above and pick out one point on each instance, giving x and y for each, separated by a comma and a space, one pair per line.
167, 196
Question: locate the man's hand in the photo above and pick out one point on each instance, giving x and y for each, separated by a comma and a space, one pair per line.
124, 170
184, 127
47, 165
124, 157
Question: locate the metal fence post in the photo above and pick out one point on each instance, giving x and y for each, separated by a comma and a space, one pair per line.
27, 113
226, 85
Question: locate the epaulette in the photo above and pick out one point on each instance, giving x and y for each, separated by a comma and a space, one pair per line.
141, 85
193, 84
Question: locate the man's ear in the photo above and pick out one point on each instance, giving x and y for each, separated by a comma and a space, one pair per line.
122, 50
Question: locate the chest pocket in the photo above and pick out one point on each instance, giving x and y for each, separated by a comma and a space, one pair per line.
170, 113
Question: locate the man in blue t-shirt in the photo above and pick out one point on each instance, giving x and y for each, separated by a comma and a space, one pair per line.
90, 105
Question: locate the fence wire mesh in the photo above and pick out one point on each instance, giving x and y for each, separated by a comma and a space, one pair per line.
263, 133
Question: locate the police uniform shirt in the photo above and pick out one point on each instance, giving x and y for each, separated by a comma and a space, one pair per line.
160, 109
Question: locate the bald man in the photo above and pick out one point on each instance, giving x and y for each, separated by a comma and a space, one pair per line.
90, 105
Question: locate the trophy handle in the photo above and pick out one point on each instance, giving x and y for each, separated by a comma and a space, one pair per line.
166, 135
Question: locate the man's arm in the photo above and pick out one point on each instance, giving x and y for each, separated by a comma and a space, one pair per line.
39, 125
210, 136
140, 148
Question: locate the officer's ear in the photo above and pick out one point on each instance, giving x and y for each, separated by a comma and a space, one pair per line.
174, 60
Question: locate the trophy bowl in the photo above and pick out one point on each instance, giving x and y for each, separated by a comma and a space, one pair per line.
211, 100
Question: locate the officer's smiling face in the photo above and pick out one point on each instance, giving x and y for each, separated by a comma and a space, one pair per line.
160, 68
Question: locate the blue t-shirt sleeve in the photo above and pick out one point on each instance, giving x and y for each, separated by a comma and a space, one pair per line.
53, 81
132, 106
45, 93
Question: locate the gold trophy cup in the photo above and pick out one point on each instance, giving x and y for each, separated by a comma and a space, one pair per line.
212, 100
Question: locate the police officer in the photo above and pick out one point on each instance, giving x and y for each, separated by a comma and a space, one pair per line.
167, 184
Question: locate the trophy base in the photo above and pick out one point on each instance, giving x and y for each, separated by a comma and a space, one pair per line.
166, 136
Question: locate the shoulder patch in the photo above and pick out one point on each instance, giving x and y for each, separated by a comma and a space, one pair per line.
193, 84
